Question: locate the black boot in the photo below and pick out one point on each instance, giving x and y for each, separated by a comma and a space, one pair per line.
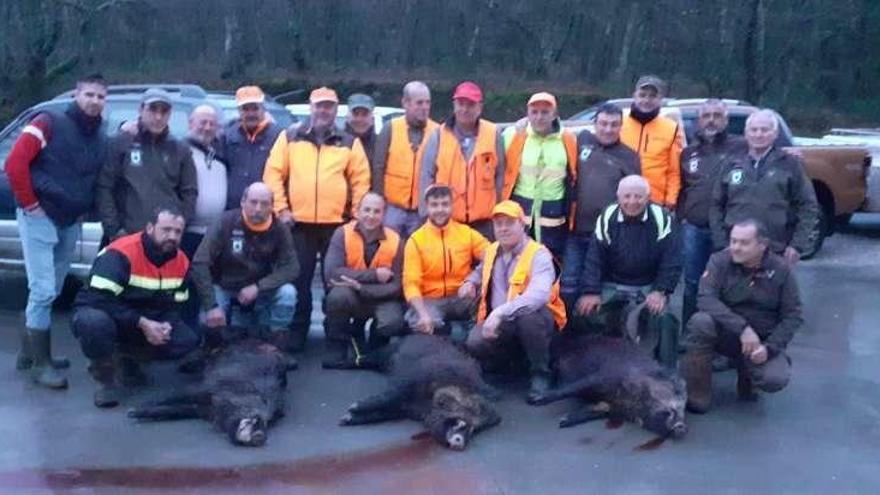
696, 366
42, 372
745, 387
131, 373
103, 371
336, 355
24, 360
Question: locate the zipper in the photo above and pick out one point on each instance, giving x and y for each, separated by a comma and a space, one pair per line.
467, 186
317, 168
445, 258
412, 181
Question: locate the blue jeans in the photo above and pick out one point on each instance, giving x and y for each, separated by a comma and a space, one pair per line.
404, 222
696, 249
576, 247
273, 308
48, 251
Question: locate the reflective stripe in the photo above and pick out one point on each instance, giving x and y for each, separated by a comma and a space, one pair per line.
98, 282
181, 296
154, 283
664, 226
547, 222
35, 132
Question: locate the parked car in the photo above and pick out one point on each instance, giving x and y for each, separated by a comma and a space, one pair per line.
381, 115
839, 173
123, 102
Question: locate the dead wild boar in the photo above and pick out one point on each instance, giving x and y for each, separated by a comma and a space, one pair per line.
241, 393
612, 378
432, 381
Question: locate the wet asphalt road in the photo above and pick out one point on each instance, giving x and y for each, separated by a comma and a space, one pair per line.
820, 435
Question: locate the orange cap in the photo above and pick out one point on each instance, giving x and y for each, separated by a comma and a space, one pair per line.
509, 208
323, 94
249, 94
543, 97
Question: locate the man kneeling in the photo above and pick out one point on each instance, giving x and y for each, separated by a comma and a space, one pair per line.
130, 307
749, 309
519, 297
363, 267
245, 267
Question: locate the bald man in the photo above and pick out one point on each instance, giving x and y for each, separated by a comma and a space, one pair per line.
247, 262
634, 255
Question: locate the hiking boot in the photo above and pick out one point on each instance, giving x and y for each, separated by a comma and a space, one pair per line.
745, 388
336, 355
103, 371
42, 371
697, 370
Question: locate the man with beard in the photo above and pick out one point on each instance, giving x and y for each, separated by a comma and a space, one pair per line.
130, 305
701, 164
466, 153
437, 258
657, 139
245, 143
749, 310
398, 156
52, 170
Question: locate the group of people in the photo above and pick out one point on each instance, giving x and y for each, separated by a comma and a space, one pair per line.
516, 235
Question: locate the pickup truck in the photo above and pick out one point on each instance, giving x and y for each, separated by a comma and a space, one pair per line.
839, 173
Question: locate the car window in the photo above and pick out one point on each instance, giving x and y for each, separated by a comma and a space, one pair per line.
9, 140
117, 112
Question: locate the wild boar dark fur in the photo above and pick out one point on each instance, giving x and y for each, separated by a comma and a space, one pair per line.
432, 381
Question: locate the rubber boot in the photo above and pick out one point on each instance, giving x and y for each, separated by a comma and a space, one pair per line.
696, 367
42, 372
336, 355
24, 360
745, 388
103, 371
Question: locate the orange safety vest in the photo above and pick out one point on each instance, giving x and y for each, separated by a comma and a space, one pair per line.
514, 159
659, 144
518, 282
403, 165
472, 183
354, 248
436, 260
145, 280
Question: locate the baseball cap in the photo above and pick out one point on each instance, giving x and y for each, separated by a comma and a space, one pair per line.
156, 95
469, 91
652, 81
323, 94
509, 208
543, 97
249, 94
360, 100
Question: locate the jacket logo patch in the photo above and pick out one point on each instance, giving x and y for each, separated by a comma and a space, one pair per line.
736, 177
237, 245
135, 157
585, 153
694, 164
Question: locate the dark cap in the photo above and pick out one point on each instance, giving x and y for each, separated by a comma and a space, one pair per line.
360, 100
652, 81
156, 95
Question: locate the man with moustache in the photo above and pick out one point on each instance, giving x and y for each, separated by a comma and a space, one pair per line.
129, 308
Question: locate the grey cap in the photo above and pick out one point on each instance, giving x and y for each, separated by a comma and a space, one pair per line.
156, 95
652, 81
360, 100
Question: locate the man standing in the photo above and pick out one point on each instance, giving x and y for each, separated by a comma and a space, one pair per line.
130, 304
635, 256
210, 176
52, 170
466, 153
657, 139
364, 268
398, 157
749, 310
360, 122
602, 161
541, 165
437, 258
145, 170
247, 262
769, 185
246, 143
701, 164
318, 175
519, 298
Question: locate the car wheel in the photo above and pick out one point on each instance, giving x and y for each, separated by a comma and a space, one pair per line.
821, 230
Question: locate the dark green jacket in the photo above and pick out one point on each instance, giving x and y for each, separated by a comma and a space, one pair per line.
767, 299
776, 192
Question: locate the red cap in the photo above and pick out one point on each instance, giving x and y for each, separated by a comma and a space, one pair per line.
469, 91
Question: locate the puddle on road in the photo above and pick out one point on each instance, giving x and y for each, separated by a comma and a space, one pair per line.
317, 470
